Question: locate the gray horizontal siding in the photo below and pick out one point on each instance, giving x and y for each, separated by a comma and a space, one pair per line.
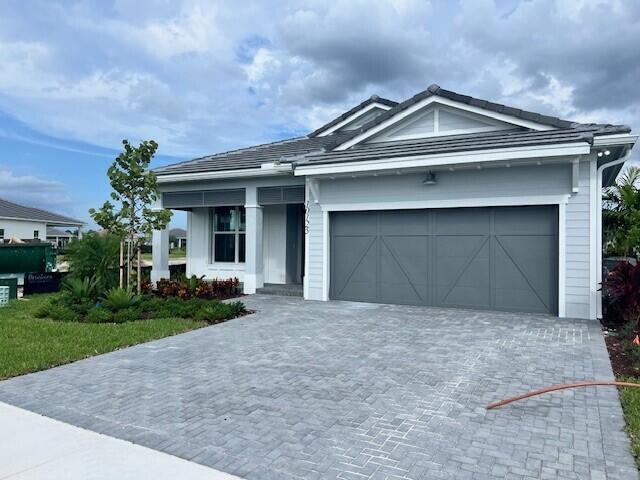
315, 241
578, 248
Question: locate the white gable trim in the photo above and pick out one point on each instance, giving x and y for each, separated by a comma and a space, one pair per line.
492, 125
353, 117
442, 101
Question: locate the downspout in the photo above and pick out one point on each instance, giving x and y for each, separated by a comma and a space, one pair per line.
600, 170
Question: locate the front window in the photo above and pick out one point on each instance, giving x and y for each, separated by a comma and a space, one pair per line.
228, 242
36, 234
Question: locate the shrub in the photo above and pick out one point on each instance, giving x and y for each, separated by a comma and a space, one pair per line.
95, 255
99, 315
63, 314
130, 314
195, 287
119, 299
79, 290
236, 309
43, 311
82, 308
622, 288
174, 307
213, 312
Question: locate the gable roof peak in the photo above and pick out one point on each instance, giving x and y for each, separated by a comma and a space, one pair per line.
433, 88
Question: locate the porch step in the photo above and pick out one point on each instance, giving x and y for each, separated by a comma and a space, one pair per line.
288, 290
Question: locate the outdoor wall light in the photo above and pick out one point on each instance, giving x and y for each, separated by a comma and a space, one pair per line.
430, 179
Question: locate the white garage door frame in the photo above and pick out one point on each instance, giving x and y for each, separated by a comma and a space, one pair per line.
559, 200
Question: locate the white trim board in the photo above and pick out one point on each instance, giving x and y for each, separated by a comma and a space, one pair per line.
453, 158
506, 201
391, 133
352, 117
442, 101
266, 170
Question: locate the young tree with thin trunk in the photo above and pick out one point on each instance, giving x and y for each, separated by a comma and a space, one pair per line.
134, 189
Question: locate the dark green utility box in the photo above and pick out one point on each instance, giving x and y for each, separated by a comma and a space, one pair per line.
27, 257
12, 283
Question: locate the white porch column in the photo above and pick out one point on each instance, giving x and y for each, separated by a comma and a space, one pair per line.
253, 267
160, 255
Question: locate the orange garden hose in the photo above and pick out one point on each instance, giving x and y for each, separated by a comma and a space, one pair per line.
559, 387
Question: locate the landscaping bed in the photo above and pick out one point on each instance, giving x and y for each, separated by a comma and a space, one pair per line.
43, 331
625, 362
621, 328
29, 344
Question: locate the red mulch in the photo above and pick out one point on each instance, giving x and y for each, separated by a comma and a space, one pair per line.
618, 346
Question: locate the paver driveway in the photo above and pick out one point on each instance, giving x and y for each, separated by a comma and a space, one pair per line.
354, 391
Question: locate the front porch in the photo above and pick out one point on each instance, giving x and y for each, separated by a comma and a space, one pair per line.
255, 233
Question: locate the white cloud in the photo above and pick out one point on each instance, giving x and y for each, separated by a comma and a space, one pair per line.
182, 73
33, 191
263, 63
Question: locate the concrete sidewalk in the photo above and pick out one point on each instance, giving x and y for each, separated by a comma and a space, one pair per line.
37, 447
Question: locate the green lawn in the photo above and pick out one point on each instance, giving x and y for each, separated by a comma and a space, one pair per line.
175, 254
28, 344
630, 399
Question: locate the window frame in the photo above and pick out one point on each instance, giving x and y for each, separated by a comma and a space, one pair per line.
1, 234
36, 234
237, 232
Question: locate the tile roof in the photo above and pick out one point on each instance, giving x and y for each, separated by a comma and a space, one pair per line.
56, 232
436, 90
348, 113
252, 157
316, 149
13, 210
460, 143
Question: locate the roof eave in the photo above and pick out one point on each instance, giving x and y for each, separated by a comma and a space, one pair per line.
57, 223
444, 159
268, 169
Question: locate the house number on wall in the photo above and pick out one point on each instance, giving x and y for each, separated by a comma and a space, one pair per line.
306, 218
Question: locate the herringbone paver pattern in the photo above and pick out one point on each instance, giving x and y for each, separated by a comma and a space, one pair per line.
353, 391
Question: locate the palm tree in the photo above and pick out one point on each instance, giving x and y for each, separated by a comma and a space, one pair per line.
621, 215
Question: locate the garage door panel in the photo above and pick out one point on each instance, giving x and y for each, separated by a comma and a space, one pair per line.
462, 221
404, 262
357, 267
404, 222
525, 221
518, 265
354, 223
503, 258
462, 279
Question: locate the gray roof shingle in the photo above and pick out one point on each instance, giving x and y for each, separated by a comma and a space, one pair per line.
13, 210
316, 149
460, 143
348, 113
436, 90
252, 157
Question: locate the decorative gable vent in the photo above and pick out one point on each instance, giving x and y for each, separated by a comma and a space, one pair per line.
440, 120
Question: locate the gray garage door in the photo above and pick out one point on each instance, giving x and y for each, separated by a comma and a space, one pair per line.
502, 258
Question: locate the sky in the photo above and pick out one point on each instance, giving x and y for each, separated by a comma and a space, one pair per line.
200, 77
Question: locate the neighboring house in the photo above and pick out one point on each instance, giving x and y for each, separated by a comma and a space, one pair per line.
29, 224
177, 238
442, 200
61, 238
